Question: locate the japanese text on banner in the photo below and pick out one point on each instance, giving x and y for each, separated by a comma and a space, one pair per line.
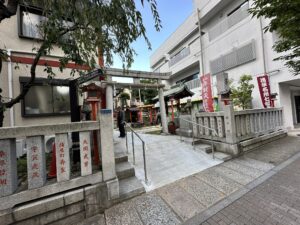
207, 93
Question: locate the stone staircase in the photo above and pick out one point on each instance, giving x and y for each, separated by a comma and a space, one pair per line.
200, 146
129, 185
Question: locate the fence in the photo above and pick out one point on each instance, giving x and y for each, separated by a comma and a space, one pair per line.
236, 126
38, 186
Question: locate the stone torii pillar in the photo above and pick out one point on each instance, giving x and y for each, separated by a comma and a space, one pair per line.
109, 94
163, 115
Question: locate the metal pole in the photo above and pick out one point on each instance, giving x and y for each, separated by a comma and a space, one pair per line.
193, 141
180, 130
126, 139
212, 147
132, 139
145, 166
263, 45
201, 50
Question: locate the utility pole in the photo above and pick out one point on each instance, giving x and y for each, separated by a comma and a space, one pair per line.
201, 64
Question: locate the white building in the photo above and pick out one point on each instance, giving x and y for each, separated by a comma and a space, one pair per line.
232, 42
46, 102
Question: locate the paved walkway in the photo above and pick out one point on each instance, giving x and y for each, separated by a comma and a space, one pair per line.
276, 201
234, 192
168, 158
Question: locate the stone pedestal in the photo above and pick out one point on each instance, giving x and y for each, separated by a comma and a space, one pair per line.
230, 126
62, 157
85, 153
113, 189
8, 167
107, 149
36, 162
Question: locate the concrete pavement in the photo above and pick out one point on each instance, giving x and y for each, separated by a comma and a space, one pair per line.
194, 199
276, 201
168, 159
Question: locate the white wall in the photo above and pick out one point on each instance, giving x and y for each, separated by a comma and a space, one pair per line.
244, 32
182, 31
9, 39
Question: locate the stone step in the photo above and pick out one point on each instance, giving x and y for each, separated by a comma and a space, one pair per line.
124, 170
98, 219
222, 156
184, 132
129, 188
121, 157
198, 141
203, 147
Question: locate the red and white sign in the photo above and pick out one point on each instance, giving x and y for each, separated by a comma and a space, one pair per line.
264, 89
206, 93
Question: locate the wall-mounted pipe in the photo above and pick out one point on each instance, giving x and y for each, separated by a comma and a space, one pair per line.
10, 88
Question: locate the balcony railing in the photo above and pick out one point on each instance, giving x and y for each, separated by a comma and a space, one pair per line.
193, 84
179, 56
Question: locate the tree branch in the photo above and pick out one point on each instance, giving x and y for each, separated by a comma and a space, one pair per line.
26, 87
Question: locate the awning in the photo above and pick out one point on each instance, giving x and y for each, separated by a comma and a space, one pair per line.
177, 92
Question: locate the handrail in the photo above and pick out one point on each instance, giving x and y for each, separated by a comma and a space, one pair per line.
200, 125
133, 150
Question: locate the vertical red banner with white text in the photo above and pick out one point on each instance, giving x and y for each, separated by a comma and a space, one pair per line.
264, 90
206, 93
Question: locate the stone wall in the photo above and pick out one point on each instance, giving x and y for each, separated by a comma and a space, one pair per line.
67, 208
68, 199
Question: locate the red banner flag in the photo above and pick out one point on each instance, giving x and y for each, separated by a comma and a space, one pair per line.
264, 89
206, 93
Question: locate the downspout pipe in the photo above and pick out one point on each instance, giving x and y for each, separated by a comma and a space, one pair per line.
10, 87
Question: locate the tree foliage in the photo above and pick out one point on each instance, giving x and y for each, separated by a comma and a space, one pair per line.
147, 94
284, 20
124, 97
242, 95
82, 29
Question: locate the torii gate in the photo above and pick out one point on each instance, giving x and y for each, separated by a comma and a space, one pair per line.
109, 85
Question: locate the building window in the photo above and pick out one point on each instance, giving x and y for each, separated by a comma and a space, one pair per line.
44, 99
243, 7
30, 20
233, 18
189, 78
179, 56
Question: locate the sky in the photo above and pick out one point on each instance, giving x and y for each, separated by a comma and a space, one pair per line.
172, 14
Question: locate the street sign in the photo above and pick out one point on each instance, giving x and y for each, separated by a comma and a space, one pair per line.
89, 76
